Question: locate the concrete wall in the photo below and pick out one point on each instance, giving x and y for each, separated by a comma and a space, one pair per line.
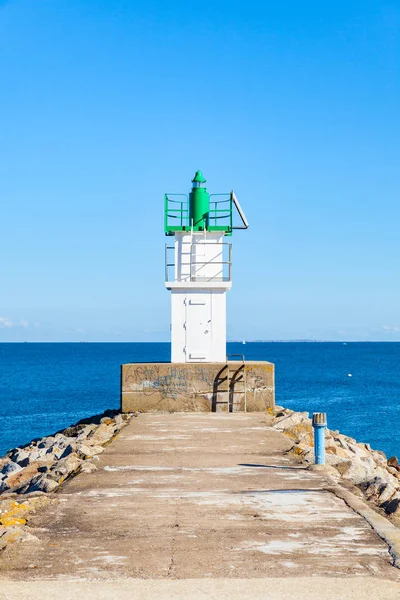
196, 387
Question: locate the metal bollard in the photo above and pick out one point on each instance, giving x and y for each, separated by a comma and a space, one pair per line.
319, 424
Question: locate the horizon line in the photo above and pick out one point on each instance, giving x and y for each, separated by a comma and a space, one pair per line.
275, 341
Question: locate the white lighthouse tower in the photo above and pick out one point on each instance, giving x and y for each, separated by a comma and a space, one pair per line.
198, 269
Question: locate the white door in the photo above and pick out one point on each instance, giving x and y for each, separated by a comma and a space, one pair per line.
198, 327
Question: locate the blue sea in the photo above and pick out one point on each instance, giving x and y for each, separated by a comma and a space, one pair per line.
46, 387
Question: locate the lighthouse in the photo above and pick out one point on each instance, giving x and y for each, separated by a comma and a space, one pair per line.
198, 273
198, 270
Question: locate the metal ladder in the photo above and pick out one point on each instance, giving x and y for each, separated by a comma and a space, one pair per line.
239, 376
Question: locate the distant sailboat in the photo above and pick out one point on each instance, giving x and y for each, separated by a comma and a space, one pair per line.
244, 341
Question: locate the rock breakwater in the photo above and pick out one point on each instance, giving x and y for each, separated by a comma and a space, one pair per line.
356, 463
29, 474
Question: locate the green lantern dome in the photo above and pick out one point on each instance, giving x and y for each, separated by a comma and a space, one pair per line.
198, 178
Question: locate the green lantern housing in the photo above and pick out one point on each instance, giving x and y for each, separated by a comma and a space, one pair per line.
199, 203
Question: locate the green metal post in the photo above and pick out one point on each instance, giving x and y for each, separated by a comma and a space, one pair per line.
199, 202
165, 213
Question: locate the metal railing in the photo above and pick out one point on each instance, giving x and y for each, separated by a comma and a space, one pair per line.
218, 213
194, 265
177, 214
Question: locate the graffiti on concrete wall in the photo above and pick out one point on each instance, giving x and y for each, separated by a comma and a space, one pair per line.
185, 385
157, 379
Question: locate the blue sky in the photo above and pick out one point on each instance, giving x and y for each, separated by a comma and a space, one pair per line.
105, 105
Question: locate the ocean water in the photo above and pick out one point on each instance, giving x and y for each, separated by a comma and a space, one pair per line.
46, 387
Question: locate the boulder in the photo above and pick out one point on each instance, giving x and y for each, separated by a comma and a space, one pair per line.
386, 476
87, 429
393, 461
356, 471
59, 450
10, 467
45, 464
387, 494
73, 431
379, 458
119, 420
61, 441
289, 421
302, 432
86, 451
378, 490
68, 450
360, 452
46, 442
32, 457
47, 459
337, 451
299, 448
297, 426
101, 435
40, 483
334, 459
393, 471
20, 456
392, 506
341, 441
3, 487
364, 446
302, 450
20, 478
65, 467
382, 454
350, 440
88, 467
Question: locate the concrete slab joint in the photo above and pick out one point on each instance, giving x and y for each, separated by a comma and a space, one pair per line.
197, 387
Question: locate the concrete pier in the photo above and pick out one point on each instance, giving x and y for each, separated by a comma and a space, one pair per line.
211, 387
190, 505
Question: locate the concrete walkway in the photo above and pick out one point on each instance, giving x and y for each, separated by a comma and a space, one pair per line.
205, 497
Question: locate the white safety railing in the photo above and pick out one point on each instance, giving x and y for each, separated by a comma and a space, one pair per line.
200, 261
